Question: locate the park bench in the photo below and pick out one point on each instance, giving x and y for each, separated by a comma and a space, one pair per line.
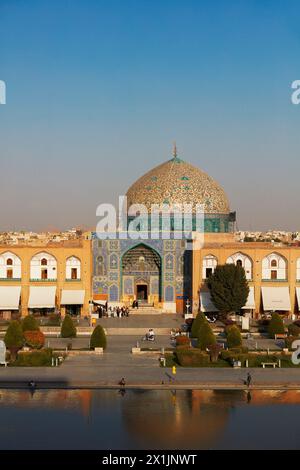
271, 364
280, 336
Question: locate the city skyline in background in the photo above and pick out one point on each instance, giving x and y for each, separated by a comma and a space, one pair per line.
97, 93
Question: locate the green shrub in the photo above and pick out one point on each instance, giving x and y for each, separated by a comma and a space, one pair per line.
293, 330
13, 338
275, 326
98, 338
206, 336
214, 351
229, 355
240, 350
34, 339
68, 329
29, 323
192, 357
289, 341
234, 337
198, 321
183, 340
255, 360
34, 358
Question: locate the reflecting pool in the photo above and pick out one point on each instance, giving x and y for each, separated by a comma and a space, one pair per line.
155, 419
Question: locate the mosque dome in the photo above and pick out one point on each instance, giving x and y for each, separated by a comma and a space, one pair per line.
176, 181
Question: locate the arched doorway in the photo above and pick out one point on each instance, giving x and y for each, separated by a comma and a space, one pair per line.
141, 275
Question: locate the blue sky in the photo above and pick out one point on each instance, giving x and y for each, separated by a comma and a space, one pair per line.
97, 91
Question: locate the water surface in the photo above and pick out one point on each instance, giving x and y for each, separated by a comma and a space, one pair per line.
106, 419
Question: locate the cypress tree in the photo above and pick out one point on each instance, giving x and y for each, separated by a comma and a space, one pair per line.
68, 329
98, 338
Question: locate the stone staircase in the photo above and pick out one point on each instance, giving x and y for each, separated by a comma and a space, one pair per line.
145, 309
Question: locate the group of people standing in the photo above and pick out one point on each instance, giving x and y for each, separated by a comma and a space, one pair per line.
118, 312
105, 311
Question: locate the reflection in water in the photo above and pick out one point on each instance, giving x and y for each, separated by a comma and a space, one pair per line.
102, 419
175, 419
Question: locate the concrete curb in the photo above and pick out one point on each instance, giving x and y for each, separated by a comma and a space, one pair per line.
48, 385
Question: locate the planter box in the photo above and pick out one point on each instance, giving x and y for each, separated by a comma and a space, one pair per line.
98, 350
237, 364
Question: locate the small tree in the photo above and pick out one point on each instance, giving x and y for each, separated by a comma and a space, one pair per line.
14, 338
276, 325
197, 323
29, 323
229, 288
234, 337
98, 338
68, 329
206, 336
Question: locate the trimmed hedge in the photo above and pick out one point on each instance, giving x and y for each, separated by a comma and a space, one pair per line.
192, 357
255, 360
29, 323
276, 325
182, 341
34, 339
289, 341
68, 329
98, 338
34, 358
234, 337
240, 350
293, 330
230, 356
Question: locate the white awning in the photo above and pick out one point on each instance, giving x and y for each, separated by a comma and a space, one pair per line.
206, 302
298, 297
10, 297
100, 302
42, 297
276, 298
72, 297
250, 304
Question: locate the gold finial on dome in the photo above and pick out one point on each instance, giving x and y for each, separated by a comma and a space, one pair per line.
174, 150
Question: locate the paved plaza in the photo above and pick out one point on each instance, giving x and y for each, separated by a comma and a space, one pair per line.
140, 371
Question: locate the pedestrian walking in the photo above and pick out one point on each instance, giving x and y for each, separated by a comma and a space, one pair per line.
122, 382
249, 379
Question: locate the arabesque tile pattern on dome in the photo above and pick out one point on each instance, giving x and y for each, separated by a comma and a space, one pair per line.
176, 181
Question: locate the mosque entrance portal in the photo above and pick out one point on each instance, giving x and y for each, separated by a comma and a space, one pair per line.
142, 292
141, 274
